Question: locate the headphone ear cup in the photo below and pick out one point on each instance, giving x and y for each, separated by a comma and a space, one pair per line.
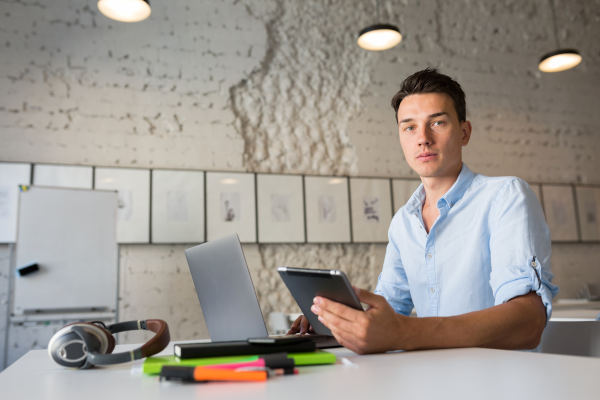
70, 345
108, 337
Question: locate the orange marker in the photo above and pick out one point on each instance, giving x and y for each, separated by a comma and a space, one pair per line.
214, 374
203, 374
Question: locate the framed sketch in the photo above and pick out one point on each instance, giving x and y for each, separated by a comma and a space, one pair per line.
402, 190
588, 206
230, 205
67, 176
327, 209
371, 204
177, 206
133, 214
560, 212
11, 176
280, 208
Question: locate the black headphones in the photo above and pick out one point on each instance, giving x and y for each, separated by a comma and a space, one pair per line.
86, 344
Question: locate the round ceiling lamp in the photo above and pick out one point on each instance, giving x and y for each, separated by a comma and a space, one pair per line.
559, 60
379, 37
125, 10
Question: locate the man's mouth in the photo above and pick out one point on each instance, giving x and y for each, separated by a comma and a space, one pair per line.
426, 156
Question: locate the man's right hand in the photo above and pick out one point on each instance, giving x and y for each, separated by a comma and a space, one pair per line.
301, 326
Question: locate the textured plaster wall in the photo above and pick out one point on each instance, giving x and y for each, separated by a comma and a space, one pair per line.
280, 86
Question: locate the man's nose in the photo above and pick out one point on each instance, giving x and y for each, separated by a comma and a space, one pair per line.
424, 137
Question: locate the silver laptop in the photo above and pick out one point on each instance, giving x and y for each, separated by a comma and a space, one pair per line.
226, 293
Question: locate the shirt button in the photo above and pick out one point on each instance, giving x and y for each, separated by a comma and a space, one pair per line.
432, 290
428, 255
533, 264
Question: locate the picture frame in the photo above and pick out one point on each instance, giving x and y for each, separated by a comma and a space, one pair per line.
65, 176
231, 205
280, 201
327, 209
537, 190
402, 189
11, 176
559, 207
133, 214
177, 206
371, 205
588, 207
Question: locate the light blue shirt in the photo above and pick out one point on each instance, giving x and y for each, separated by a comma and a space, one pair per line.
489, 244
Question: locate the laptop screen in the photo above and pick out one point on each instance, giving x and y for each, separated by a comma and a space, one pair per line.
225, 290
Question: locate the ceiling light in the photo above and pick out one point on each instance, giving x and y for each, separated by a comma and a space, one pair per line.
561, 59
379, 37
125, 10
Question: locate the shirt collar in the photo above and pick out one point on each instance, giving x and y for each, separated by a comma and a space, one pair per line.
459, 188
456, 192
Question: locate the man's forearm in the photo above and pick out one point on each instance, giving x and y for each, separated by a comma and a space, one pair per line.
517, 324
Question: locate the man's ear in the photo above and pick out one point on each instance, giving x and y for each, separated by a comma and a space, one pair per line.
465, 128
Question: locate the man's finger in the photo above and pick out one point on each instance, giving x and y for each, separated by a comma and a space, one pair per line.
369, 298
295, 326
333, 321
303, 324
336, 308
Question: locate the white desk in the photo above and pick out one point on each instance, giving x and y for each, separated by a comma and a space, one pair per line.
440, 374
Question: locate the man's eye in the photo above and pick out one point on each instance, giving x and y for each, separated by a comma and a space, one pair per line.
439, 123
408, 128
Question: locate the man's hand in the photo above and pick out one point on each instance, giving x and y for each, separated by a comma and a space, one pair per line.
375, 330
301, 326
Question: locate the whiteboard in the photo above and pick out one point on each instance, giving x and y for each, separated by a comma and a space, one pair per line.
11, 176
71, 234
133, 216
62, 176
177, 206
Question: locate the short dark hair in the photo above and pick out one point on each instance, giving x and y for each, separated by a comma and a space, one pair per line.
430, 80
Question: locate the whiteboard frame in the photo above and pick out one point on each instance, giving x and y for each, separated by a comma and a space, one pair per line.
11, 176
71, 234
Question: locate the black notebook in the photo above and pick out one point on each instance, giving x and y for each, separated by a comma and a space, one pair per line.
240, 348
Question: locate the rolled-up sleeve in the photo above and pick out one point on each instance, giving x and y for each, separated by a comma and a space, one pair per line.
520, 246
393, 283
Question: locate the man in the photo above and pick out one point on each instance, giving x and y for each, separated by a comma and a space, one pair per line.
471, 253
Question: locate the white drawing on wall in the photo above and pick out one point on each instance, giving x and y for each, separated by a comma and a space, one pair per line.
560, 212
588, 203
280, 207
177, 207
326, 208
371, 208
230, 206
125, 204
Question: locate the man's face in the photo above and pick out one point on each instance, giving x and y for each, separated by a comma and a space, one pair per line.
431, 135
